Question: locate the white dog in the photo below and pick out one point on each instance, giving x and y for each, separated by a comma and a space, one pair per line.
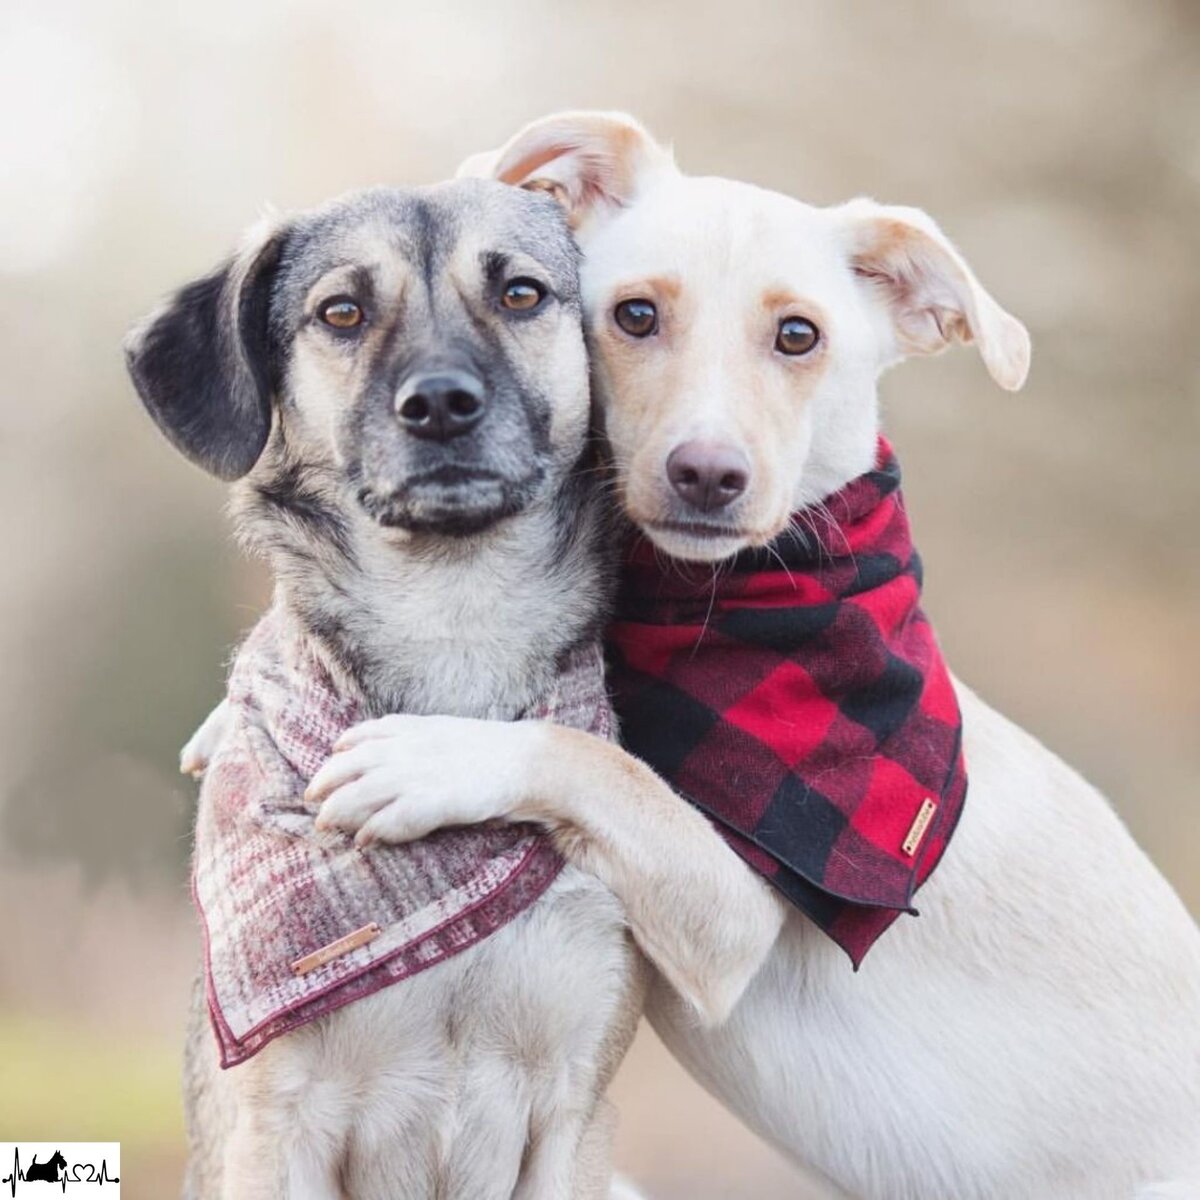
1035, 1034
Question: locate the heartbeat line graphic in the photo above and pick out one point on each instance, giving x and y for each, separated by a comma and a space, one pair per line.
57, 1170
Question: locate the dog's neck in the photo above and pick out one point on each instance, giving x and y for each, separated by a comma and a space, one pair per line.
471, 626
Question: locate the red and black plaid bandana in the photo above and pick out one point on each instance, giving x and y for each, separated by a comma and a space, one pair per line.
799, 699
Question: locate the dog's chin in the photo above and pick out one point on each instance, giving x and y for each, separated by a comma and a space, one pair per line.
696, 541
455, 506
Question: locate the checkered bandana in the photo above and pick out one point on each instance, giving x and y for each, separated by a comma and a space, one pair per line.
296, 923
800, 700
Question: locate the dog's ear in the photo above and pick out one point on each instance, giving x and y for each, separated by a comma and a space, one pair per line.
932, 295
201, 362
586, 160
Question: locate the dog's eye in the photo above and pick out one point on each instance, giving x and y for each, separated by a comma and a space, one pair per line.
639, 318
341, 313
522, 295
796, 336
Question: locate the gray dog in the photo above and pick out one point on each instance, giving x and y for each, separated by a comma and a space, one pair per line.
397, 382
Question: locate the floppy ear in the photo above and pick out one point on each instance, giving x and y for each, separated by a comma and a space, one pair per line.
933, 296
201, 362
586, 160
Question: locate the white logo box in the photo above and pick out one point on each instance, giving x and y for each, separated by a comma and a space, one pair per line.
36, 1169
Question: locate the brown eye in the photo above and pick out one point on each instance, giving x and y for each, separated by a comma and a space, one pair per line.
341, 313
796, 336
523, 295
639, 318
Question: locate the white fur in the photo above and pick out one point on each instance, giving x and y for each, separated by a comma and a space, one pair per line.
1031, 1034
481, 1079
1035, 1033
880, 281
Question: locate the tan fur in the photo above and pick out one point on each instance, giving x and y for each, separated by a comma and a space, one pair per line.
618, 154
327, 374
479, 1079
316, 1109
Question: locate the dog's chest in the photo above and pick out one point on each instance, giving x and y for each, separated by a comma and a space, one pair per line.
475, 642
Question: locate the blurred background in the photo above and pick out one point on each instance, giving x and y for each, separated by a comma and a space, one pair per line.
1059, 144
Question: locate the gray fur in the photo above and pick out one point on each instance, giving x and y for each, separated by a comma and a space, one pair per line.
434, 577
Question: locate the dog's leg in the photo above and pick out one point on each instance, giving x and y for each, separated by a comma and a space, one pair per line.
562, 1161
593, 1165
290, 1135
491, 1124
261, 1164
252, 1167
699, 914
246, 1127
207, 1103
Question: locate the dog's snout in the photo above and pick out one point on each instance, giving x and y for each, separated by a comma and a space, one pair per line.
441, 406
708, 475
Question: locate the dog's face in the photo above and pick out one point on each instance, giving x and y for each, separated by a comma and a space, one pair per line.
718, 362
738, 334
424, 347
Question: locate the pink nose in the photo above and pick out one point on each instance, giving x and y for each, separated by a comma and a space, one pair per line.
708, 475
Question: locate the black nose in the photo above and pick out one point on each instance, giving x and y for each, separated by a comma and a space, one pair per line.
441, 406
708, 475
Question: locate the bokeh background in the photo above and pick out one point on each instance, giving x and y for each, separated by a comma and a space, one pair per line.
1059, 143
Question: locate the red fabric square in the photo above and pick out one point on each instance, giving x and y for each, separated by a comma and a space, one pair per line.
784, 713
889, 807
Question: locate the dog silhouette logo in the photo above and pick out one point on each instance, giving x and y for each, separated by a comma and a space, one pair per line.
48, 1171
71, 1168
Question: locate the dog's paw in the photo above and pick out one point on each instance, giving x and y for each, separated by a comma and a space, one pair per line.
201, 747
399, 778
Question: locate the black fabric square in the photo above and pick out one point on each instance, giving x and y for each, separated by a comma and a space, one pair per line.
801, 826
887, 703
873, 571
662, 725
781, 629
817, 905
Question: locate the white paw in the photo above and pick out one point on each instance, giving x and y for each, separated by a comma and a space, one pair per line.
201, 747
401, 777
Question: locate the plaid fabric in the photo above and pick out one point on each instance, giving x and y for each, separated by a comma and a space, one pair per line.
798, 697
270, 890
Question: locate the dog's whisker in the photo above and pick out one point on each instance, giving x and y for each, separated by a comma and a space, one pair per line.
779, 558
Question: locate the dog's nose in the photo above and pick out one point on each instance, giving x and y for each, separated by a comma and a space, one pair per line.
441, 406
708, 475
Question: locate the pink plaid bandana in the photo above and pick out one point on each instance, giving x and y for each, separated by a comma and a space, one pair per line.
297, 924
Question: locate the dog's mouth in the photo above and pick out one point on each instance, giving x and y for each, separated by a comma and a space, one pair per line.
451, 476
450, 500
699, 529
697, 541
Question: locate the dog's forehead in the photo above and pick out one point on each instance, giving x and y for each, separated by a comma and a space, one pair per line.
486, 213
429, 229
709, 231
